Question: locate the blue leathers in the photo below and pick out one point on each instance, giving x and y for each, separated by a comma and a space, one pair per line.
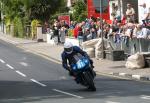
67, 59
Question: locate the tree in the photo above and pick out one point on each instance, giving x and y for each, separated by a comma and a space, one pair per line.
80, 11
43, 9
12, 8
31, 9
28, 10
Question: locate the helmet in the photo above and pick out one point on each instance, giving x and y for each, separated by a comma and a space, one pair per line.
68, 47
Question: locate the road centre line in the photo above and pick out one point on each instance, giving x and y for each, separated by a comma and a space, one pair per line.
9, 66
35, 81
20, 73
111, 102
2, 61
24, 64
67, 93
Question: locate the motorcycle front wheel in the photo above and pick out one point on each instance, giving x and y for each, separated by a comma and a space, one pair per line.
89, 80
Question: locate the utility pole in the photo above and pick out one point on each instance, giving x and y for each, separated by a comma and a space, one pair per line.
101, 2
119, 5
2, 18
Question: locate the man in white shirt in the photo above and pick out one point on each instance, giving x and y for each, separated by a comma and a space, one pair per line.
130, 12
146, 13
142, 32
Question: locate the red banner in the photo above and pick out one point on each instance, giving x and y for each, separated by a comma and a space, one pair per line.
66, 18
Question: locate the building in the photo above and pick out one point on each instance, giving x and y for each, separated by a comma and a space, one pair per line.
135, 4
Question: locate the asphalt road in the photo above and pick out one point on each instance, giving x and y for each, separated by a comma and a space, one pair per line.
28, 78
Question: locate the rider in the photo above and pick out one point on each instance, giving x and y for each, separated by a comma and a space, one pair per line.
69, 52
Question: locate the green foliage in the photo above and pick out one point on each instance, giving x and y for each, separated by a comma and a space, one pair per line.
12, 8
80, 11
43, 9
18, 27
8, 23
24, 11
34, 25
32, 9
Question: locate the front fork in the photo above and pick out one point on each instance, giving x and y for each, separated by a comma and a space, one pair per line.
93, 73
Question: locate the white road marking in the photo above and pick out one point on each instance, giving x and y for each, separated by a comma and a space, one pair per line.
111, 102
9, 66
35, 81
68, 93
2, 61
122, 74
111, 93
24, 64
62, 78
145, 97
20, 73
136, 76
10, 41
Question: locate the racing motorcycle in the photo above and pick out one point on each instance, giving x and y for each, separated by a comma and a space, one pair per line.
84, 73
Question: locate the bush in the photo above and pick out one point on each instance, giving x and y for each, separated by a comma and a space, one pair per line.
8, 23
34, 25
18, 27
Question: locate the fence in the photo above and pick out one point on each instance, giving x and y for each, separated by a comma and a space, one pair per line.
130, 45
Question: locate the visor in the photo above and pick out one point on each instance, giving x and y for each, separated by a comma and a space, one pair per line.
68, 50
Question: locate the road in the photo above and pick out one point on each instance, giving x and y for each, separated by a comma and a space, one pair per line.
28, 78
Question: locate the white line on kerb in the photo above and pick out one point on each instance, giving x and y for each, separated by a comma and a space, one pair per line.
145, 97
9, 66
111, 102
35, 81
68, 93
2, 61
21, 74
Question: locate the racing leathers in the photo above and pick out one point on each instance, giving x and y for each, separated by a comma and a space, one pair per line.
67, 59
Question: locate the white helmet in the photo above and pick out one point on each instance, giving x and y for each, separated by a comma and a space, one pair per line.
68, 47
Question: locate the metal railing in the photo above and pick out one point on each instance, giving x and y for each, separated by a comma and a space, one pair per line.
130, 45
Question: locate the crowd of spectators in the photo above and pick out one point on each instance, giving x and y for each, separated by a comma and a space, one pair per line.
95, 28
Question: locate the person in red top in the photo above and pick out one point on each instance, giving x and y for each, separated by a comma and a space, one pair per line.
123, 21
76, 31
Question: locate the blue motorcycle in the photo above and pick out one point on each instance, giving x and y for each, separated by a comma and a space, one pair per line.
84, 73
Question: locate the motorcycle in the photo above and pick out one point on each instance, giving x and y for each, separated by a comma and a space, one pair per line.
84, 73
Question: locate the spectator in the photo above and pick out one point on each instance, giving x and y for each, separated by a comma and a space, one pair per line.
130, 13
106, 31
72, 25
56, 32
146, 14
141, 32
129, 28
117, 16
93, 30
113, 14
123, 21
80, 34
62, 34
99, 31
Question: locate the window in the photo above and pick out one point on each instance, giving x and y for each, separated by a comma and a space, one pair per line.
104, 8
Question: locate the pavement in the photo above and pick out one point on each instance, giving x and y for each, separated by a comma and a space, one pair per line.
102, 66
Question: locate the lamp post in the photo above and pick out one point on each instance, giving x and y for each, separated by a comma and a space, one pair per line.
102, 37
2, 17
